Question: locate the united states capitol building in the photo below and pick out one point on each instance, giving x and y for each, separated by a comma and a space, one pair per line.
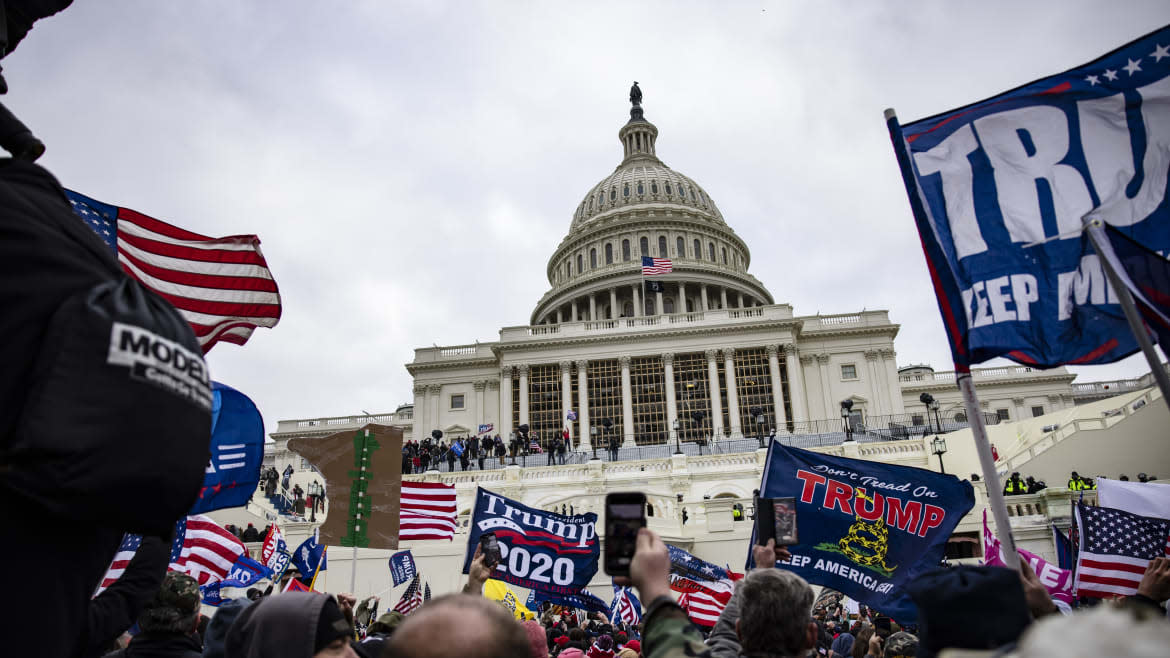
689, 376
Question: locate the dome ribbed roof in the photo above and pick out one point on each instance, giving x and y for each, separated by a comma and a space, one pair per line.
644, 180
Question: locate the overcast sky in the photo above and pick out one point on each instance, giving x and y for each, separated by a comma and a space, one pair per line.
410, 166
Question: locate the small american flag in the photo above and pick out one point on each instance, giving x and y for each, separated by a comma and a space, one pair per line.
221, 286
412, 598
1115, 549
652, 266
202, 549
626, 607
427, 511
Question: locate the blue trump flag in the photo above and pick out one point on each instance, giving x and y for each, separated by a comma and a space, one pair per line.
542, 551
245, 572
237, 448
865, 528
583, 600
999, 190
402, 567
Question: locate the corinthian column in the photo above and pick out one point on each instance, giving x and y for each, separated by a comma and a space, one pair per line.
627, 405
713, 389
585, 441
795, 383
504, 427
523, 369
732, 397
671, 403
777, 387
567, 397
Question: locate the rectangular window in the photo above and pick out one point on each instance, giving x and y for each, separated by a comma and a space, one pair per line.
1003, 414
544, 403
457, 401
916, 420
848, 371
693, 397
753, 387
649, 400
1037, 411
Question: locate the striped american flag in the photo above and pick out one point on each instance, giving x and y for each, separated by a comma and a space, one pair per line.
221, 286
427, 511
652, 266
413, 597
202, 549
703, 601
626, 607
1115, 549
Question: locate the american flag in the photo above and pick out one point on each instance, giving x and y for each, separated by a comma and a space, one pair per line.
221, 286
626, 607
703, 600
427, 511
1115, 549
413, 597
202, 549
652, 266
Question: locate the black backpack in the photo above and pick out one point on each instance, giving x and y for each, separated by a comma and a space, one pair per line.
105, 399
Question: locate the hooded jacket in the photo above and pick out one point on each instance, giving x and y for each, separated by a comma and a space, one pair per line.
280, 625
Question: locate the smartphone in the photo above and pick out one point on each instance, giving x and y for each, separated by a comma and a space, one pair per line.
776, 519
489, 546
625, 513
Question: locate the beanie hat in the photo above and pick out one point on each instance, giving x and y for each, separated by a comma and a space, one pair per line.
635, 645
901, 644
969, 607
214, 640
331, 624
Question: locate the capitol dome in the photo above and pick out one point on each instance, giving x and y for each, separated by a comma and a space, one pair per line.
645, 208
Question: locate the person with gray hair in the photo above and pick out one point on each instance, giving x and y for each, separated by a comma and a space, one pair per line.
458, 625
770, 613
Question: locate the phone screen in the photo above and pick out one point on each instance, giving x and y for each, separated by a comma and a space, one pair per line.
624, 515
490, 547
785, 521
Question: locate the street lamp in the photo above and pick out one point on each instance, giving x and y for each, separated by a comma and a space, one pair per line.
593, 433
939, 447
608, 425
758, 414
513, 448
846, 406
677, 447
698, 417
931, 405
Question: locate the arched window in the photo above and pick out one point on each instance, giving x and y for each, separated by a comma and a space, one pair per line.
662, 247
627, 309
609, 254
625, 250
698, 251
649, 303
711, 251
653, 187
680, 246
641, 190
667, 188
581, 263
626, 190
613, 194
590, 204
644, 244
724, 257
690, 306
592, 259
668, 304
600, 199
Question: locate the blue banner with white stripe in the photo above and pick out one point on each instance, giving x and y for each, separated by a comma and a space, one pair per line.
237, 448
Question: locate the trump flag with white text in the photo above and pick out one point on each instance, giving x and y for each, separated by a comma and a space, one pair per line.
865, 528
999, 190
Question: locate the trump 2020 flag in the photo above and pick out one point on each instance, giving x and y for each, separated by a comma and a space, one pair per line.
310, 557
540, 550
237, 448
865, 528
402, 567
999, 190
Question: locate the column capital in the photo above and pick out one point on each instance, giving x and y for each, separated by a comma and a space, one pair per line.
728, 353
566, 366
624, 360
888, 353
789, 347
772, 350
823, 358
1054, 399
667, 358
522, 369
1018, 401
419, 389
494, 385
506, 372
480, 384
712, 354
872, 355
434, 388
582, 364
806, 359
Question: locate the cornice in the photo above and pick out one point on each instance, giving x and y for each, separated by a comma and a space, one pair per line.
987, 383
625, 337
414, 368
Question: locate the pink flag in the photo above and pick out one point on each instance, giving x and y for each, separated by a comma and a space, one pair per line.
1057, 581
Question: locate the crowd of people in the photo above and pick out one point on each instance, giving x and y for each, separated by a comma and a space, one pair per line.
431, 453
771, 613
1014, 486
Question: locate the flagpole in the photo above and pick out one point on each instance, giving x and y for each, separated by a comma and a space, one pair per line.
1096, 231
962, 373
317, 571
